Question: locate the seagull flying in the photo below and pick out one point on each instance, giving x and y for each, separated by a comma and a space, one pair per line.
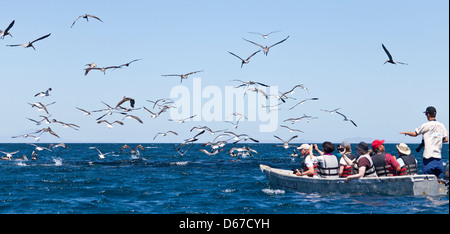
265, 36
391, 60
6, 32
86, 16
44, 94
286, 143
183, 76
267, 48
346, 119
30, 44
108, 124
125, 99
244, 61
302, 102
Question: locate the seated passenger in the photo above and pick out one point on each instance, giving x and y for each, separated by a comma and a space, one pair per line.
364, 162
385, 164
407, 162
345, 169
328, 166
309, 164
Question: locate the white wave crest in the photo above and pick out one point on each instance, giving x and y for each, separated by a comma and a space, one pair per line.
273, 191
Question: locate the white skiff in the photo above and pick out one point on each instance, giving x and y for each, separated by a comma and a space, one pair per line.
413, 185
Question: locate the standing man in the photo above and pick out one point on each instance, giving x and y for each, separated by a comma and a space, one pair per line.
434, 135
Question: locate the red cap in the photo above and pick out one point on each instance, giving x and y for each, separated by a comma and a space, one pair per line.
377, 143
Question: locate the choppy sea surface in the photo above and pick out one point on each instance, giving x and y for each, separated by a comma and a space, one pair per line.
160, 181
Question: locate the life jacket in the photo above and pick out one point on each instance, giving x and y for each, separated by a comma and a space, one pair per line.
379, 162
330, 167
410, 167
305, 168
348, 170
370, 172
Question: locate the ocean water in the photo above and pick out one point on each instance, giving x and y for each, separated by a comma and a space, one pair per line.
160, 181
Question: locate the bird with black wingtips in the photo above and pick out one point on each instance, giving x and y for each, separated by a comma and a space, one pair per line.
286, 143
183, 76
30, 44
267, 48
126, 99
346, 119
86, 16
7, 32
110, 125
390, 59
44, 93
303, 101
244, 61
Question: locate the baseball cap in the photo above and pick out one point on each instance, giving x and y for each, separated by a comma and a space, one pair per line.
430, 110
304, 146
377, 143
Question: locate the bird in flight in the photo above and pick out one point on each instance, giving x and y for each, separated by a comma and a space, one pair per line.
183, 76
30, 44
108, 124
286, 143
103, 69
302, 102
100, 154
248, 83
391, 60
86, 16
165, 134
128, 64
346, 119
244, 61
44, 93
265, 36
6, 32
267, 48
125, 99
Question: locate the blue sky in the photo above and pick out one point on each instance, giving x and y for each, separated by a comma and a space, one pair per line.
334, 49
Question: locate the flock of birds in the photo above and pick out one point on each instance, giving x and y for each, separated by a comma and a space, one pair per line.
162, 105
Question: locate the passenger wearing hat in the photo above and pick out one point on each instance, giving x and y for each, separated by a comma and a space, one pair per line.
407, 162
309, 164
345, 169
385, 163
364, 162
434, 135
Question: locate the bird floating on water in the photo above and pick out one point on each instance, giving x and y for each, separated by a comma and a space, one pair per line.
391, 60
30, 44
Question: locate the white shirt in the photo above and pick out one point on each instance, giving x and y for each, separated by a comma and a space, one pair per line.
433, 132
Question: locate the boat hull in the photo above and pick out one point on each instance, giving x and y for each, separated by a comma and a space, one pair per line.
417, 185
